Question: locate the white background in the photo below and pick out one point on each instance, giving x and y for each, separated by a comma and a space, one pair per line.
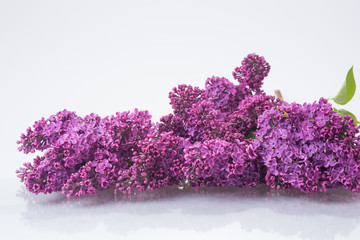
109, 56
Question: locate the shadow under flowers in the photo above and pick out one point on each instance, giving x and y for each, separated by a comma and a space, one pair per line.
287, 212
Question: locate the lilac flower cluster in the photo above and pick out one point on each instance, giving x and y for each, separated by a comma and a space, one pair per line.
217, 162
309, 147
156, 163
242, 122
222, 93
69, 141
223, 135
252, 72
82, 155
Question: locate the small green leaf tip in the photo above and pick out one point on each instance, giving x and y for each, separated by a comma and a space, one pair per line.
347, 91
251, 135
343, 112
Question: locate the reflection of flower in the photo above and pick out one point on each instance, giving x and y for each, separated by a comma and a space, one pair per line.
201, 210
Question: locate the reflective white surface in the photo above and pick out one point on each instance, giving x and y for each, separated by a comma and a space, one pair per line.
213, 213
107, 56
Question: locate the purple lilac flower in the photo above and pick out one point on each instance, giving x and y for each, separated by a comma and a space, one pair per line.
156, 163
252, 72
183, 98
246, 169
46, 132
68, 145
216, 162
116, 146
206, 141
174, 124
222, 93
309, 147
103, 145
244, 119
204, 121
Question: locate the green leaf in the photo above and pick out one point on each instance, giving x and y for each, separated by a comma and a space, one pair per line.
251, 135
347, 91
343, 112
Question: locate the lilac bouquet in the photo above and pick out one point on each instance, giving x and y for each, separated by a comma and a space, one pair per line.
223, 135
